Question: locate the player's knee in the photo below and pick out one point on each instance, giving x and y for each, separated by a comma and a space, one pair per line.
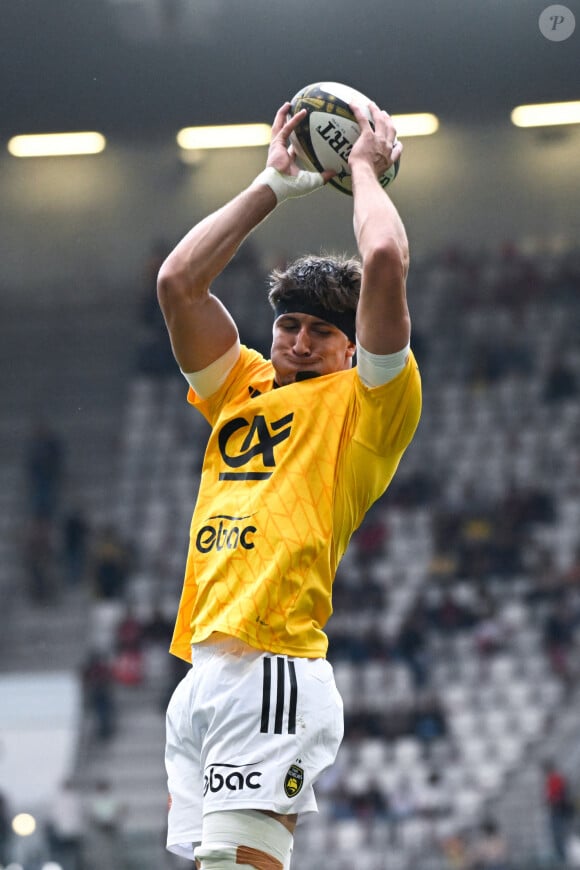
243, 840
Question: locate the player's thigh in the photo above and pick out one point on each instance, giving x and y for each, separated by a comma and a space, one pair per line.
247, 838
184, 777
277, 724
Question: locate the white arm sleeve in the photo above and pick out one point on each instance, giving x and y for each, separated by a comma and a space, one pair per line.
376, 369
209, 380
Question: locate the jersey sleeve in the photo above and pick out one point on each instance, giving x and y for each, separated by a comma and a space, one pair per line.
210, 379
250, 372
389, 414
383, 425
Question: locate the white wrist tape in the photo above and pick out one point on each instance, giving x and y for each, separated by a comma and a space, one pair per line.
289, 186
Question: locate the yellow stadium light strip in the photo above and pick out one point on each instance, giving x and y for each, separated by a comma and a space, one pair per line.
546, 114
56, 144
225, 136
419, 124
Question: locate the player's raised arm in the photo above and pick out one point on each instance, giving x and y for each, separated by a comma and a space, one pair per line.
201, 329
383, 323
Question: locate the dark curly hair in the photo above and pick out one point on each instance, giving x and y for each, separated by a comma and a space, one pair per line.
328, 282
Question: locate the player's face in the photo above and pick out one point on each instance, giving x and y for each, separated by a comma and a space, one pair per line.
303, 343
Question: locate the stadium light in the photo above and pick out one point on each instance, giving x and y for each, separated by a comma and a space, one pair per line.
417, 124
546, 114
56, 144
24, 824
224, 136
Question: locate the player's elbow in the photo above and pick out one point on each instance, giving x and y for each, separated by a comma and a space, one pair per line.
389, 256
173, 284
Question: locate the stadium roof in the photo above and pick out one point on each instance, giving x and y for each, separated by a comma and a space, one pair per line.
145, 68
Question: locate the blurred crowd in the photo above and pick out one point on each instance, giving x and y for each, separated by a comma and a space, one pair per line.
471, 317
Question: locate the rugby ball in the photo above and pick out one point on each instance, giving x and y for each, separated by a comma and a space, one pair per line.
324, 138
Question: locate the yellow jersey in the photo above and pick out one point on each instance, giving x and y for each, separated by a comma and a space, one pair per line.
288, 476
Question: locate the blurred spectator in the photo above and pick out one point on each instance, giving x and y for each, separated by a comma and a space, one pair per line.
489, 633
446, 529
66, 827
128, 663
98, 685
433, 801
130, 632
369, 804
560, 807
448, 614
489, 849
45, 470
506, 549
111, 562
571, 575
40, 560
410, 647
350, 647
157, 633
106, 815
372, 594
544, 574
370, 540
475, 548
560, 382
428, 720
559, 635
128, 667
158, 629
75, 544
480, 538
377, 646
522, 507
341, 805
356, 589
403, 805
456, 850
387, 726
415, 489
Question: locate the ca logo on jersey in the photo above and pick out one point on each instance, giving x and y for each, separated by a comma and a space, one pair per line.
259, 439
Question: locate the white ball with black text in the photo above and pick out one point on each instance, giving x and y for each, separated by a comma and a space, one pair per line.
326, 135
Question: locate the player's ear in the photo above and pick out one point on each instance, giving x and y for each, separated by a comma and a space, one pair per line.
350, 349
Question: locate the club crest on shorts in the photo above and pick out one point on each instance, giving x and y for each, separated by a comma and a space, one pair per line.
294, 781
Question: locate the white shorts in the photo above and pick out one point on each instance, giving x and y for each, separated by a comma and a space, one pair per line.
247, 729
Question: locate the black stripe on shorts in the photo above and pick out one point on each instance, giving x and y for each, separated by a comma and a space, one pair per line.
280, 710
267, 682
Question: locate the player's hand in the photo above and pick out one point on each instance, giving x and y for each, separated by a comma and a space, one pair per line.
281, 155
377, 144
282, 172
